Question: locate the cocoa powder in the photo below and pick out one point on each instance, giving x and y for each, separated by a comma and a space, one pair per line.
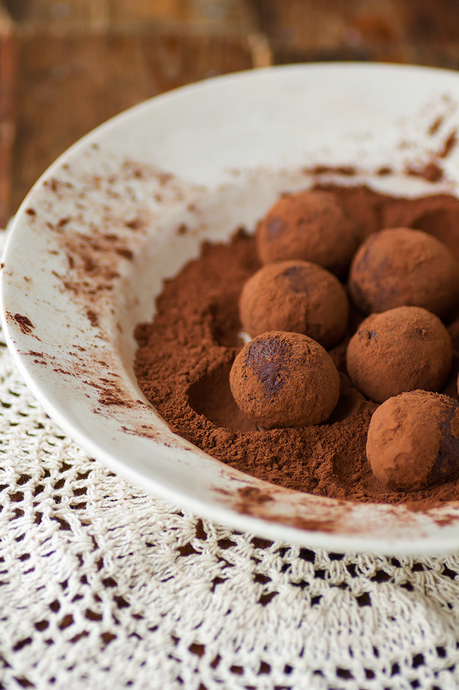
184, 358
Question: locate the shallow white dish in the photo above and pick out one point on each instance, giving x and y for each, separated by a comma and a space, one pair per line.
96, 236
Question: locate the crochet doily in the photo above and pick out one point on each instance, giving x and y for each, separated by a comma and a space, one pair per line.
104, 586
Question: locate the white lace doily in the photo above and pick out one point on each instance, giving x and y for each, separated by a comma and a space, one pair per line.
104, 586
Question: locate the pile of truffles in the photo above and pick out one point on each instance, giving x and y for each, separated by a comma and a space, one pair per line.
401, 283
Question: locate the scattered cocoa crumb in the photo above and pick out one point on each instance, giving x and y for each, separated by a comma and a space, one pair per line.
330, 526
92, 316
127, 253
25, 323
62, 222
346, 170
133, 224
108, 397
435, 126
431, 172
164, 178
449, 144
384, 170
254, 495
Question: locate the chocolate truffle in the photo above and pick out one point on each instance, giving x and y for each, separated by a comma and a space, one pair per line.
413, 441
283, 379
398, 267
310, 226
295, 296
399, 350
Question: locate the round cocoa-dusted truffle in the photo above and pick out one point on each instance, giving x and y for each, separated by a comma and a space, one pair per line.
413, 441
295, 296
399, 350
402, 267
283, 379
310, 226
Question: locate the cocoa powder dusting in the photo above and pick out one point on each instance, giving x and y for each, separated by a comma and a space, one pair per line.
185, 355
448, 145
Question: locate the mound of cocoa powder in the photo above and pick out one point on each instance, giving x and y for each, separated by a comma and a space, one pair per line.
184, 358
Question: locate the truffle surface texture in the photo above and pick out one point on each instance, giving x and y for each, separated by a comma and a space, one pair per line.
413, 441
295, 296
310, 226
283, 379
397, 351
403, 267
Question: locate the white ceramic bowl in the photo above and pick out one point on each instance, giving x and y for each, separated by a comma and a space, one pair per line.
96, 237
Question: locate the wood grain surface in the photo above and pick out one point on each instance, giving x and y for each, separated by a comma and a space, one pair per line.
81, 61
70, 85
7, 121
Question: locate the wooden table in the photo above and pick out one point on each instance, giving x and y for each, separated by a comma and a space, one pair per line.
65, 67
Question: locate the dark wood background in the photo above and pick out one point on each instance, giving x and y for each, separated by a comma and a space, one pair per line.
65, 67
